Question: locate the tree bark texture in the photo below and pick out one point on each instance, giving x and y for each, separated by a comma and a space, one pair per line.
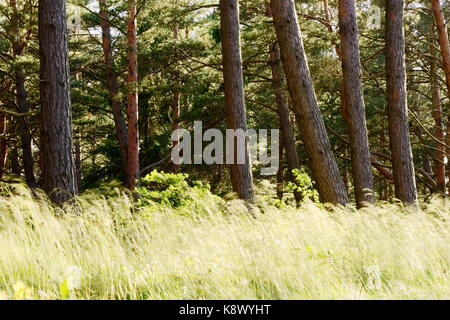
133, 111
397, 106
323, 163
354, 102
58, 169
241, 174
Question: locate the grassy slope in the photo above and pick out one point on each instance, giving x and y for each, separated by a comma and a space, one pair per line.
308, 253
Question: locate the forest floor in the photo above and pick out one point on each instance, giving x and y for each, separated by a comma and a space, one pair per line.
103, 248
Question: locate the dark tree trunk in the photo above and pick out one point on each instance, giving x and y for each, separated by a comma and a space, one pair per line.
176, 96
58, 167
78, 161
241, 174
24, 130
11, 141
402, 159
354, 102
323, 163
133, 113
283, 112
439, 131
113, 87
2, 144
280, 175
21, 99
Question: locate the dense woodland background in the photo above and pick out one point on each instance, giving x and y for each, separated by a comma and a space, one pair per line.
94, 94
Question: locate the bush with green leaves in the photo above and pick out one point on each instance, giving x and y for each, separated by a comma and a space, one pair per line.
173, 190
304, 186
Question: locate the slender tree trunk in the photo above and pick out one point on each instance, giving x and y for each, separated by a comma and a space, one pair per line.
24, 130
176, 96
112, 84
323, 163
133, 113
241, 174
280, 175
21, 99
2, 144
78, 162
402, 159
447, 142
58, 169
443, 40
12, 143
283, 112
439, 166
354, 101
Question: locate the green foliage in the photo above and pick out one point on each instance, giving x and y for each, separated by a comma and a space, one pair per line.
304, 186
168, 189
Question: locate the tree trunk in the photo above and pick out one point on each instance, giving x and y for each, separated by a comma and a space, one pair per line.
21, 99
176, 96
283, 112
323, 163
354, 102
443, 40
113, 87
280, 175
58, 169
241, 174
133, 114
78, 161
402, 159
439, 163
447, 142
12, 143
24, 131
2, 144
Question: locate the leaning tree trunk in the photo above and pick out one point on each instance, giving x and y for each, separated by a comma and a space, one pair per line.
354, 102
113, 87
288, 138
241, 174
323, 163
133, 123
58, 167
402, 159
283, 112
21, 98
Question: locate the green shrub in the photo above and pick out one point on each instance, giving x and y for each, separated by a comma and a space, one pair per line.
173, 190
304, 186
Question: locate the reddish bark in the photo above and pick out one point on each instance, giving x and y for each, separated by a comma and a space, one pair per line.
132, 82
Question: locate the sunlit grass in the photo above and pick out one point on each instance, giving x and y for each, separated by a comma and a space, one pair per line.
102, 249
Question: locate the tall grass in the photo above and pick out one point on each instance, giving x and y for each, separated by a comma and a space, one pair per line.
101, 248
